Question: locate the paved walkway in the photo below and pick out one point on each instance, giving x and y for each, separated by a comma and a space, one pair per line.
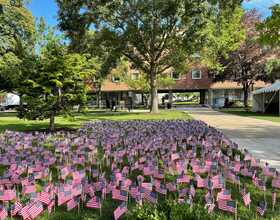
260, 137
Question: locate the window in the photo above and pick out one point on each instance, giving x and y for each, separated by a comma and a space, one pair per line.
175, 75
116, 79
196, 74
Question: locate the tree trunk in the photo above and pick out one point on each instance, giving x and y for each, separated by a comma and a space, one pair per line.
246, 95
154, 94
52, 121
20, 102
98, 97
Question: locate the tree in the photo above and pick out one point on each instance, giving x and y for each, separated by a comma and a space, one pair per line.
124, 70
270, 37
153, 34
16, 42
221, 36
246, 65
102, 58
56, 85
270, 28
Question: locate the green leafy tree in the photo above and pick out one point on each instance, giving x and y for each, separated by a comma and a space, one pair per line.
270, 37
102, 58
56, 85
16, 42
270, 28
222, 36
246, 65
153, 34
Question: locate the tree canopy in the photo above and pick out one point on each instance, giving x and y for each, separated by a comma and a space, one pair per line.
270, 28
56, 83
155, 35
246, 64
16, 42
270, 37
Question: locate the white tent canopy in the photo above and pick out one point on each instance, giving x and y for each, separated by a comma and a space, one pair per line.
267, 97
273, 88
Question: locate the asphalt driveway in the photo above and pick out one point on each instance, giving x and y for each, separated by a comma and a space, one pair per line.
260, 137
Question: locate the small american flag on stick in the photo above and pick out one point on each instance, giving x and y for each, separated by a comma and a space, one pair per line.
120, 211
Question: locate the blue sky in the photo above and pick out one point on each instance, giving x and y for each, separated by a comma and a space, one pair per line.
48, 8
261, 5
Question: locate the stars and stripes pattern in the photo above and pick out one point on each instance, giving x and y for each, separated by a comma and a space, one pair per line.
165, 162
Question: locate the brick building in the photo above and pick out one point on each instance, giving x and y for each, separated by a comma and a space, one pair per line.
195, 79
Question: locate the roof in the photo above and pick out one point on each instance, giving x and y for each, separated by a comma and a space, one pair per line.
273, 88
234, 85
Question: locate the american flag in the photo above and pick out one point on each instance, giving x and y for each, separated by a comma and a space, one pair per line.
71, 204
208, 197
161, 189
183, 179
217, 181
261, 208
183, 192
200, 182
246, 198
246, 172
159, 174
276, 183
65, 172
3, 213
94, 203
16, 208
24, 211
36, 209
134, 191
119, 195
150, 196
175, 156
29, 189
192, 191
50, 206
268, 171
259, 183
225, 205
44, 197
122, 209
63, 197
224, 195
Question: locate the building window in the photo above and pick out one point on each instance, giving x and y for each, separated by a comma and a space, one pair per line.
196, 74
116, 79
175, 75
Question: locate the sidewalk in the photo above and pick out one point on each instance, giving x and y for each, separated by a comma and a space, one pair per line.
260, 137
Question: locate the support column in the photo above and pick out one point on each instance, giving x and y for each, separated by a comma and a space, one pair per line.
263, 102
279, 103
202, 97
170, 98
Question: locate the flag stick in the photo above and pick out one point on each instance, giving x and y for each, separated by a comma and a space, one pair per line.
79, 208
236, 211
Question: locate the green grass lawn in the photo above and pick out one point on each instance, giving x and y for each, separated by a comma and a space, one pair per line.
242, 112
9, 121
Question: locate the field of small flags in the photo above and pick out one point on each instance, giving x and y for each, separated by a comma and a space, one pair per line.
173, 169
